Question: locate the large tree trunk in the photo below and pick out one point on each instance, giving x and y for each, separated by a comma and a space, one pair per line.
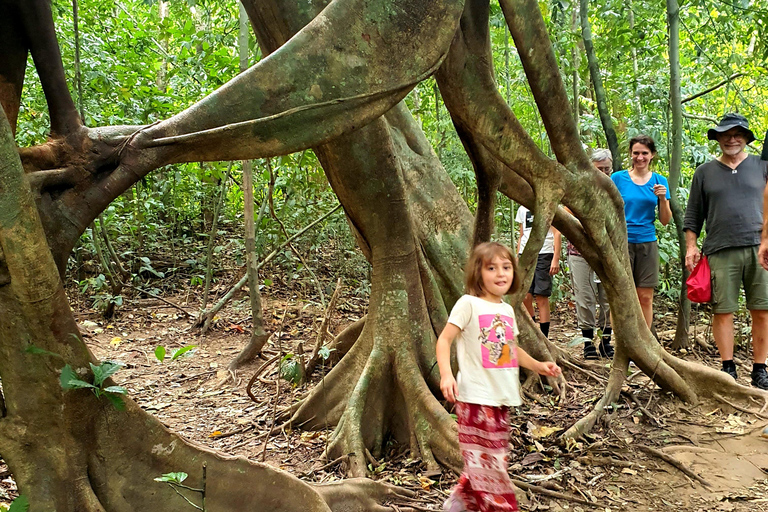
70, 451
409, 220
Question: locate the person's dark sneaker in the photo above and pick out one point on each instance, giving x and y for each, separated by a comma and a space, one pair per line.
590, 352
606, 350
732, 372
760, 378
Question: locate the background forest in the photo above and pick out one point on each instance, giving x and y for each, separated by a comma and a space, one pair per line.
141, 61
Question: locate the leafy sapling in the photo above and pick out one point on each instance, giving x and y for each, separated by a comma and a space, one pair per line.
70, 380
160, 352
175, 481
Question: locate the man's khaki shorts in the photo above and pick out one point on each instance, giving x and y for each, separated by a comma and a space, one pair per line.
732, 267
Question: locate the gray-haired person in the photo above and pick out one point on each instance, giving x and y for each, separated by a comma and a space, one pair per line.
727, 195
588, 289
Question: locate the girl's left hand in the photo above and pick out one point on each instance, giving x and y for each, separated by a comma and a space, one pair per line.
660, 191
549, 368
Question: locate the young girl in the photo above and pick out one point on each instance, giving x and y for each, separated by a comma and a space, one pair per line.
488, 382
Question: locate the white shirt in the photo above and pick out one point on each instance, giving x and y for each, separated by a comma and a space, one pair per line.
487, 352
525, 218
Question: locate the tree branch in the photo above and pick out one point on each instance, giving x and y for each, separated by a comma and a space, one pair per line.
713, 88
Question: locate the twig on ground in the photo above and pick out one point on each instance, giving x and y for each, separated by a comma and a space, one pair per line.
326, 466
738, 407
583, 370
673, 462
552, 494
640, 406
195, 376
235, 432
256, 375
277, 388
189, 315
322, 332
595, 460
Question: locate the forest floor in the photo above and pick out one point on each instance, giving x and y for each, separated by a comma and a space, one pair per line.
605, 471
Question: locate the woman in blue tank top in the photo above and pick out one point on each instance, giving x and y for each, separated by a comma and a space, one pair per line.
643, 191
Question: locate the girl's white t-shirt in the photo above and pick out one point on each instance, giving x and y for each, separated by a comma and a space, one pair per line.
487, 352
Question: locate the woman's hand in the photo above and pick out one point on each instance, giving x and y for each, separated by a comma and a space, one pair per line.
660, 191
449, 387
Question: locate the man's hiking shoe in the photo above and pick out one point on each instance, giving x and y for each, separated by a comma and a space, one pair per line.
590, 352
732, 372
760, 378
606, 350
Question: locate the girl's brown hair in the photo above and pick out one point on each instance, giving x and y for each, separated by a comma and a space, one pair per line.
481, 254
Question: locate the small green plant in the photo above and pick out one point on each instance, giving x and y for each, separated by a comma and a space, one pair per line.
290, 369
20, 504
160, 352
175, 481
70, 380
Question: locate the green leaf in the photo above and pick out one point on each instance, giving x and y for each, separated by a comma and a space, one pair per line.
172, 477
290, 370
324, 352
20, 504
103, 371
116, 400
116, 389
182, 351
33, 349
160, 353
69, 379
578, 340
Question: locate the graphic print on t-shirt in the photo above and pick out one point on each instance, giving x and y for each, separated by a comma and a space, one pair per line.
528, 223
497, 346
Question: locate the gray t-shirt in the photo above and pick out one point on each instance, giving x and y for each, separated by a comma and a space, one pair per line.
730, 201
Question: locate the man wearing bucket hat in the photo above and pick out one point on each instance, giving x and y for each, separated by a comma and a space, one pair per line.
727, 194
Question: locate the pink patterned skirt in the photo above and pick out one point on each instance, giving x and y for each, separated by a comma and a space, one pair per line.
484, 484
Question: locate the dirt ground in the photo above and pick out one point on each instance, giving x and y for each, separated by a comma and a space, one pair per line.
606, 471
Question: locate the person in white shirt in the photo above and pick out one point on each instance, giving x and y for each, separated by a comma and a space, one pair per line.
547, 265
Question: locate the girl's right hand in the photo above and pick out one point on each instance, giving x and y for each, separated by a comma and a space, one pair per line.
449, 388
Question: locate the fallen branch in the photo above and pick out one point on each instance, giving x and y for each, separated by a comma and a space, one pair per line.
673, 462
322, 333
739, 408
207, 316
176, 306
295, 251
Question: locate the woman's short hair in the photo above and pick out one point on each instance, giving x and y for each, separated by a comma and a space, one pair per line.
601, 154
645, 140
482, 254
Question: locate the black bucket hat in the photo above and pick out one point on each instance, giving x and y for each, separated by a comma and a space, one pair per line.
731, 121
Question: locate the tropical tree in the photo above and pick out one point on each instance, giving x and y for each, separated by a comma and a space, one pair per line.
330, 83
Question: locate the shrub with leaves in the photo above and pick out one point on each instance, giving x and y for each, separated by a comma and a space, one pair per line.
70, 380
